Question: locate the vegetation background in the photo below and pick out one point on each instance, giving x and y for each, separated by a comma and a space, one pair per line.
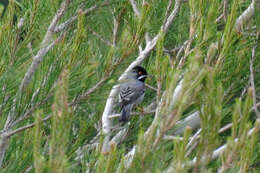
60, 61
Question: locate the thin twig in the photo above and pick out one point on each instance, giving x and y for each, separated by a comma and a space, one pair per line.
70, 21
46, 45
192, 143
151, 87
252, 80
115, 29
167, 11
135, 8
20, 129
100, 37
165, 27
216, 153
90, 91
245, 16
31, 110
133, 113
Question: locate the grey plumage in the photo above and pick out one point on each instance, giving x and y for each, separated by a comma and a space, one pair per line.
131, 93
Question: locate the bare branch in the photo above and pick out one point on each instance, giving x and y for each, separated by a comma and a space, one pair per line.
135, 8
172, 16
133, 113
115, 30
70, 21
245, 16
167, 11
192, 142
20, 23
32, 109
151, 87
220, 150
90, 91
100, 37
20, 129
4, 140
46, 45
252, 81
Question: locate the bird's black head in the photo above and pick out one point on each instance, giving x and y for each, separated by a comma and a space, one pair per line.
140, 72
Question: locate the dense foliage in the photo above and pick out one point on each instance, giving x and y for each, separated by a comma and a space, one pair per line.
59, 61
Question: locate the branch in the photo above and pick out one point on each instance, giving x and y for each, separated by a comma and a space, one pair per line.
115, 30
136, 10
133, 113
90, 91
167, 11
3, 147
70, 21
46, 45
246, 16
20, 129
32, 109
252, 80
100, 37
151, 87
165, 27
220, 150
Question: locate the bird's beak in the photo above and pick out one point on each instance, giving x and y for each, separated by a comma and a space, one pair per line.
143, 76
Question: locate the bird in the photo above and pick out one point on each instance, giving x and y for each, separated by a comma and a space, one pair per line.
131, 91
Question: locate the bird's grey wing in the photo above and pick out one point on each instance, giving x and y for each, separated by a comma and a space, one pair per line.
130, 92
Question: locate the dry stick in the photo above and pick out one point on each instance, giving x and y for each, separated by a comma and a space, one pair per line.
5, 99
151, 87
90, 91
106, 122
167, 11
28, 76
192, 142
31, 110
220, 150
136, 10
50, 30
70, 21
246, 16
100, 37
216, 153
28, 113
252, 81
225, 9
181, 50
115, 30
11, 133
221, 130
46, 45
172, 16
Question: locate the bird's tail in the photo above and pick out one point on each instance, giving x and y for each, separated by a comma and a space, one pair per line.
125, 113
